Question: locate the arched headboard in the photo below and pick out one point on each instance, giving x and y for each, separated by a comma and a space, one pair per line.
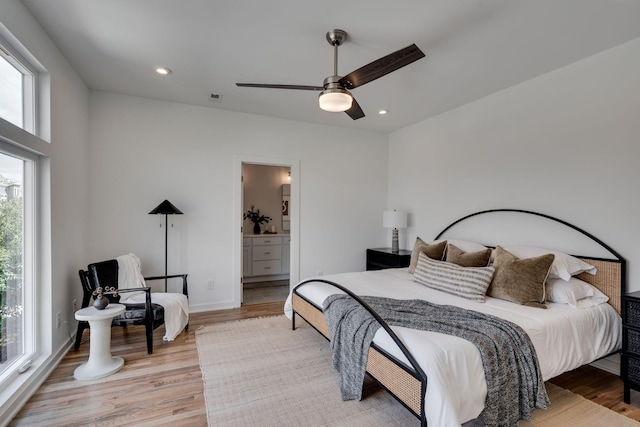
611, 277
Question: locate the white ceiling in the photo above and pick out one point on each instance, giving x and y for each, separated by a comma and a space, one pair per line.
473, 48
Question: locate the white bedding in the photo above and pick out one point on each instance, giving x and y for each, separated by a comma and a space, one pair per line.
564, 338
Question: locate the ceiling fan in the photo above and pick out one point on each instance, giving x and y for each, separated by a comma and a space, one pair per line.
334, 92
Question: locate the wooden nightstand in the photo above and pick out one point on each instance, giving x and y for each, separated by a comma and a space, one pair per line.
630, 371
381, 258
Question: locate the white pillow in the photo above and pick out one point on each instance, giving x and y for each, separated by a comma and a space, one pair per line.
575, 292
465, 245
564, 266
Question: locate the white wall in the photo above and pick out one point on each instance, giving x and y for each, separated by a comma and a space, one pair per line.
565, 144
144, 151
64, 181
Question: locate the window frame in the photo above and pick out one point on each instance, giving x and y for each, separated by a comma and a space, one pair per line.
29, 253
31, 142
29, 86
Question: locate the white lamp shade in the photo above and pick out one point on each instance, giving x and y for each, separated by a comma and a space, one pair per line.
394, 219
335, 100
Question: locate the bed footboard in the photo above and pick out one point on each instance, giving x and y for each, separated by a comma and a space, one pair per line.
408, 386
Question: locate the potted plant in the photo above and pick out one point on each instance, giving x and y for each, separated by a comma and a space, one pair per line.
257, 219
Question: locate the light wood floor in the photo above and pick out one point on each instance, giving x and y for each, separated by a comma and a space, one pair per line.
165, 388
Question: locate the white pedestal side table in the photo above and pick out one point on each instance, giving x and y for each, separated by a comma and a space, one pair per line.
100, 363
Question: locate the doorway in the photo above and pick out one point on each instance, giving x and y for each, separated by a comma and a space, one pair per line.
265, 240
266, 261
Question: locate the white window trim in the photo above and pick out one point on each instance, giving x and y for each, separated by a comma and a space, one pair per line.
16, 393
29, 230
29, 88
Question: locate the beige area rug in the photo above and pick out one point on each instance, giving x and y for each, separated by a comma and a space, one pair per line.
260, 372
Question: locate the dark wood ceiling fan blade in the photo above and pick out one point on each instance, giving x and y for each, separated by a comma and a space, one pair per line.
355, 112
382, 67
268, 86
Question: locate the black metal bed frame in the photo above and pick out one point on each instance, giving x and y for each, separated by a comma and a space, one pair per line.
417, 372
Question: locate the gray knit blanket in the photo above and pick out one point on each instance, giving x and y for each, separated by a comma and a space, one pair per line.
514, 382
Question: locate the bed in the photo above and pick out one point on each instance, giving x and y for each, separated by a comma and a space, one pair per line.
426, 371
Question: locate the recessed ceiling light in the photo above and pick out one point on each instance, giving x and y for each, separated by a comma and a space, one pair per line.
162, 71
382, 112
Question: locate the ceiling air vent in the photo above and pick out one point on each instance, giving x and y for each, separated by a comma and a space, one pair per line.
215, 97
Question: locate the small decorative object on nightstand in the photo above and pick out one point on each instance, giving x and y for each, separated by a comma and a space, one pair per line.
381, 258
630, 343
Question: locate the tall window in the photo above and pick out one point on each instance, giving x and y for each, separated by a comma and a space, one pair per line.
17, 217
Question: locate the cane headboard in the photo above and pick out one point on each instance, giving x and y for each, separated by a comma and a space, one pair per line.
610, 278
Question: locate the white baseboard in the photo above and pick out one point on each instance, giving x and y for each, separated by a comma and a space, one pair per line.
254, 279
198, 308
18, 393
610, 364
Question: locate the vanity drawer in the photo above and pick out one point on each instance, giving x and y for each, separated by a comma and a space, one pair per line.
263, 253
264, 268
260, 241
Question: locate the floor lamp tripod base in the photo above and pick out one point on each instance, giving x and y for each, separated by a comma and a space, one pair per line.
166, 253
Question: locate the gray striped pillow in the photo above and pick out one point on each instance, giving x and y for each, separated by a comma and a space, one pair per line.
466, 282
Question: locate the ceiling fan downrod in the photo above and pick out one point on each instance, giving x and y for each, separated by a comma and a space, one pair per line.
335, 39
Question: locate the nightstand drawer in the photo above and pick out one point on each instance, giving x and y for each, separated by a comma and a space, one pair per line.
631, 312
633, 369
381, 258
632, 341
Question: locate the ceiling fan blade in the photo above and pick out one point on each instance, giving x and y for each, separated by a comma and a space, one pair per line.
296, 87
382, 67
355, 112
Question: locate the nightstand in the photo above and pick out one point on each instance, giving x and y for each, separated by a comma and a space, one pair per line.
630, 343
381, 258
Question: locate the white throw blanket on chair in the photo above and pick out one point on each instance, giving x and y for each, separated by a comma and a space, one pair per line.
176, 306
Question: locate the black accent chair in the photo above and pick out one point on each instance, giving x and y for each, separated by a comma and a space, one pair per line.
150, 315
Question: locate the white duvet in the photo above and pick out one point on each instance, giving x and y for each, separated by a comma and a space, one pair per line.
564, 338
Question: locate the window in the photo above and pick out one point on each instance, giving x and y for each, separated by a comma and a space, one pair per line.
17, 261
12, 342
18, 167
17, 89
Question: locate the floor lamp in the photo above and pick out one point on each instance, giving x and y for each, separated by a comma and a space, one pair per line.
165, 208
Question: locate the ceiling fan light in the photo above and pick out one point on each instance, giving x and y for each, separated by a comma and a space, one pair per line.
335, 100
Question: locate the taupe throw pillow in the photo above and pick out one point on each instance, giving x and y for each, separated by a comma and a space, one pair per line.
520, 280
433, 251
467, 259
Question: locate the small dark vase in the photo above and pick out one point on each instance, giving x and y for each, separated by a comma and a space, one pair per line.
256, 228
101, 303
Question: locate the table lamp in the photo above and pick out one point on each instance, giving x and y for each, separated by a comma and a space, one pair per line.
394, 219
